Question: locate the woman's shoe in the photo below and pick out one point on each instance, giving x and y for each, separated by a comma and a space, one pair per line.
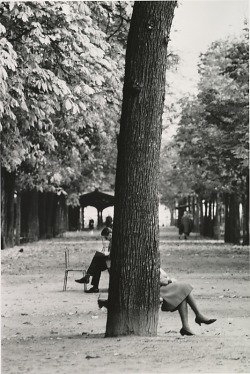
208, 322
185, 332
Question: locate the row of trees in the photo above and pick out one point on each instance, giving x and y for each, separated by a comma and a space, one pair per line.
208, 157
61, 74
54, 120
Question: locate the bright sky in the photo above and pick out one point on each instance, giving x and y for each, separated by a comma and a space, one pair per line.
196, 24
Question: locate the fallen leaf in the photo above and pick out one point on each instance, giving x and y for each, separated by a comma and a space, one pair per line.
88, 357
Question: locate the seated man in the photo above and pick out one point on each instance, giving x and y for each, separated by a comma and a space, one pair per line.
98, 264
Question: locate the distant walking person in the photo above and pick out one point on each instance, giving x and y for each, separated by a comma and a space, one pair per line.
185, 225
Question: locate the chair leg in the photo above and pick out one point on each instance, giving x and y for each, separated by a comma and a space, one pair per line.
65, 280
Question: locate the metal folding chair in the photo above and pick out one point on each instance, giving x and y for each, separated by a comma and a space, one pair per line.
68, 269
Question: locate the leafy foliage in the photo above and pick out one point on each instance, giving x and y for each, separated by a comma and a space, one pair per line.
210, 150
61, 77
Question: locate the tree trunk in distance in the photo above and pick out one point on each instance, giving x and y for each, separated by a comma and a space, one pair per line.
196, 215
172, 220
24, 196
33, 221
42, 213
7, 208
232, 219
216, 228
245, 206
18, 219
201, 216
134, 277
227, 225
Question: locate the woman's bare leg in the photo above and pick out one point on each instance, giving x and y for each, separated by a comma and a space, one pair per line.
183, 311
191, 301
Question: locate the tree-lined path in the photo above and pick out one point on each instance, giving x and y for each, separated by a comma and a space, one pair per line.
70, 74
45, 330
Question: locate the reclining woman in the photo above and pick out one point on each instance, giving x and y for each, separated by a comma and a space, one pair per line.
176, 296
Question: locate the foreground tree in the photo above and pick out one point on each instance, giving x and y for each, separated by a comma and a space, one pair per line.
134, 278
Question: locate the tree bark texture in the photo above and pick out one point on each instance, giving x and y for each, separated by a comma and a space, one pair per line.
7, 208
134, 278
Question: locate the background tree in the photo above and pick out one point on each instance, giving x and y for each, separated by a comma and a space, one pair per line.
60, 101
212, 137
134, 278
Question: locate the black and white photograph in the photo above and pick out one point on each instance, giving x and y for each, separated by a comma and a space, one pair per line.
124, 130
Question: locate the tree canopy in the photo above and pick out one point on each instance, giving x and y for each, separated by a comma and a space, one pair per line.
210, 150
61, 73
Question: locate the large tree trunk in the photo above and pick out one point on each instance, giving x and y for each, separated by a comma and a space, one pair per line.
134, 278
7, 209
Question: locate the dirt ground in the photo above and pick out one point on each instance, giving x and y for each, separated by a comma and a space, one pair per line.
48, 331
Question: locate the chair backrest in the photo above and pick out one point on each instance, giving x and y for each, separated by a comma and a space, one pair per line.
66, 258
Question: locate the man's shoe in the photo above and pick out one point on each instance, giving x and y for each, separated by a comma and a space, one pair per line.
84, 279
92, 290
102, 303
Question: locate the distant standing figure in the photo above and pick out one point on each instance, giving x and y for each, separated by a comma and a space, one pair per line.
185, 226
91, 224
109, 222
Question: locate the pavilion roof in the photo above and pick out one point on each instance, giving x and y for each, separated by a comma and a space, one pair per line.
97, 199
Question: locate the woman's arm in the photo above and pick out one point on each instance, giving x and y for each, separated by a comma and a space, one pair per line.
164, 278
